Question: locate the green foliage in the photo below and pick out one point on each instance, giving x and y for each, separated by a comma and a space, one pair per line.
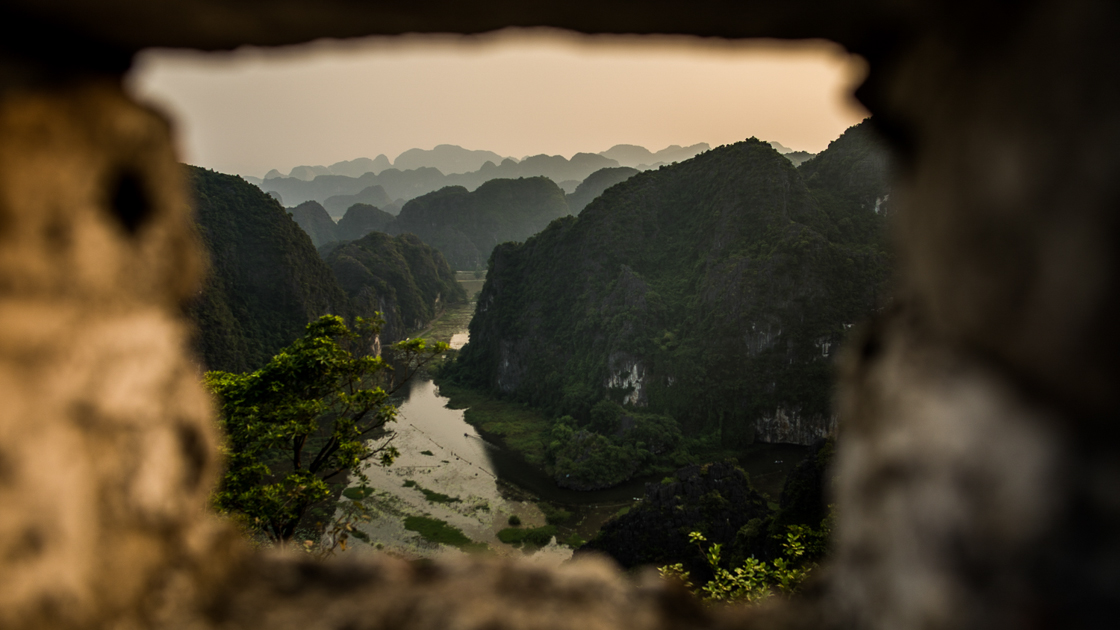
575, 541
554, 515
266, 280
514, 520
539, 536
754, 580
431, 495
596, 183
313, 219
398, 275
466, 226
437, 531
723, 284
306, 417
616, 445
520, 427
426, 452
361, 219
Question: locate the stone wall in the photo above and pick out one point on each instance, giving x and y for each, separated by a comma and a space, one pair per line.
978, 477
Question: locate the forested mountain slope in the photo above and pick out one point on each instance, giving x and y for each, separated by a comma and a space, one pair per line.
714, 290
465, 226
266, 280
314, 220
404, 279
595, 184
361, 219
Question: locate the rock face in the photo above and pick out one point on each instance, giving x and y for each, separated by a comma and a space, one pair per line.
789, 426
408, 282
715, 291
266, 279
361, 219
466, 226
314, 220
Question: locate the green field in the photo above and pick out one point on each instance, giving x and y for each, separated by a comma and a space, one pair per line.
539, 536
431, 495
437, 531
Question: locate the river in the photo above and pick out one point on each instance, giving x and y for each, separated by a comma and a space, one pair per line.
449, 472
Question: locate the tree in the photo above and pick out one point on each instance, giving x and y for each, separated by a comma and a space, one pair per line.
316, 411
755, 580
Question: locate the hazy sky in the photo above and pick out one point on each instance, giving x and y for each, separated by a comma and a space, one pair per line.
517, 93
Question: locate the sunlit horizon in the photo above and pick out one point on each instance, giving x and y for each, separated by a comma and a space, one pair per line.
515, 93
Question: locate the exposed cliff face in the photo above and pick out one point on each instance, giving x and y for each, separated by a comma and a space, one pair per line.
465, 226
314, 220
714, 290
401, 277
266, 279
789, 426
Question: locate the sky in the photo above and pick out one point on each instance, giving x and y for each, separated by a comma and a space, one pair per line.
516, 93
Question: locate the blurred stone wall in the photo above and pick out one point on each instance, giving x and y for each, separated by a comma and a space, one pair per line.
978, 477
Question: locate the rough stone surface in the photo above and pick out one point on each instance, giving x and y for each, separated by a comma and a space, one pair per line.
109, 445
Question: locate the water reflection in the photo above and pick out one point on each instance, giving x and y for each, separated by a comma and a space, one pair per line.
425, 411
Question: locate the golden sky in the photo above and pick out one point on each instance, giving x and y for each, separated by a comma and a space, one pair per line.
516, 93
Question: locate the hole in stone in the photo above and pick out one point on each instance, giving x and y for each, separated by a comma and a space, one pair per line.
195, 454
129, 201
870, 348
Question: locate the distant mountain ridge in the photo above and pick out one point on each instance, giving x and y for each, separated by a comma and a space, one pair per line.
418, 171
267, 281
463, 225
466, 226
375, 195
642, 158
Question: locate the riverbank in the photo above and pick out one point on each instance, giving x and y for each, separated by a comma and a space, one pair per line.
449, 491
443, 496
471, 462
526, 431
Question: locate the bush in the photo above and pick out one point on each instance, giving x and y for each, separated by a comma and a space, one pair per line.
438, 531
514, 520
575, 541
539, 536
755, 580
554, 515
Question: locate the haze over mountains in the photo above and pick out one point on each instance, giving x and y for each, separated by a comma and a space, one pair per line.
417, 172
452, 160
465, 231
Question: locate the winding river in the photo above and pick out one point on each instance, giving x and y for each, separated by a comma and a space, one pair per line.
449, 472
